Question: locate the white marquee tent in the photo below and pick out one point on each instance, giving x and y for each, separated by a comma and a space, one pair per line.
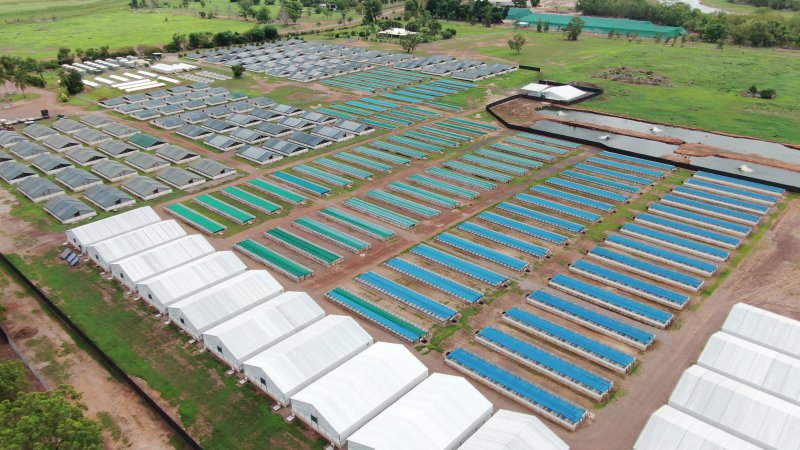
212, 306
169, 287
764, 328
774, 373
439, 413
349, 396
100, 230
128, 244
292, 364
139, 267
670, 429
509, 430
254, 330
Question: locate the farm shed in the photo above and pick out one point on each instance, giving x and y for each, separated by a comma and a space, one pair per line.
175, 154
302, 358
146, 188
50, 164
168, 122
214, 305
68, 210
38, 132
39, 189
146, 162
85, 156
169, 287
249, 136
332, 133
193, 132
222, 143
211, 168
116, 149
27, 150
59, 142
509, 430
109, 198
77, 180
120, 130
353, 127
249, 333
258, 155
441, 412
5, 157
9, 138
180, 178
96, 120
113, 171
91, 137
354, 393
137, 268
146, 141
100, 230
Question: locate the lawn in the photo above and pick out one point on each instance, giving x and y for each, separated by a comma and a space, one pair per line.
216, 411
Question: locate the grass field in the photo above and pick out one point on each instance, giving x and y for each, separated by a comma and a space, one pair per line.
216, 411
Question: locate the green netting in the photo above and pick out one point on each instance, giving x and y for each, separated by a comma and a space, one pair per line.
274, 259
600, 25
224, 209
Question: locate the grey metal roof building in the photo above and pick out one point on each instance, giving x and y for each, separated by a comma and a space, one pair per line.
241, 107
91, 137
120, 130
318, 118
308, 140
50, 164
273, 129
5, 157
9, 138
113, 171
332, 133
146, 162
96, 120
243, 120
68, 126
77, 180
129, 108
215, 100
39, 189
296, 123
38, 132
194, 117
117, 149
68, 210
249, 136
192, 105
211, 168
265, 114
109, 198
168, 123
146, 188
112, 102
193, 132
145, 114
222, 142
180, 178
218, 126
59, 142
261, 102
175, 154
353, 127
258, 155
219, 112
169, 110
146, 141
286, 110
28, 150
136, 98
85, 156
14, 172
285, 148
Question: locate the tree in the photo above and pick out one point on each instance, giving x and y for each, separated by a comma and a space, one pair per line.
767, 93
534, 3
20, 79
519, 3
270, 33
517, 42
238, 71
53, 420
13, 379
411, 9
246, 8
262, 15
373, 9
71, 81
410, 42
574, 28
294, 9
64, 56
487, 15
753, 90
715, 31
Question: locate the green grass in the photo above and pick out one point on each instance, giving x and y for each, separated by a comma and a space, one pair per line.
442, 333
218, 412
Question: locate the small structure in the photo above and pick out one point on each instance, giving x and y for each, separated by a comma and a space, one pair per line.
116, 149
168, 122
397, 32
284, 148
211, 168
68, 210
193, 132
249, 136
13, 172
177, 155
91, 137
193, 117
146, 141
353, 127
180, 178
59, 142
50, 164
9, 138
27, 150
68, 126
258, 155
85, 156
96, 120
308, 140
222, 143
146, 188
332, 133
77, 180
109, 198
274, 129
38, 131
218, 126
119, 130
243, 120
562, 93
146, 162
113, 171
39, 189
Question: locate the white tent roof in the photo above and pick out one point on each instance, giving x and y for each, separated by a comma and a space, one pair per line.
565, 92
162, 258
535, 87
99, 230
359, 389
135, 241
738, 409
439, 413
764, 328
266, 324
509, 430
304, 355
670, 429
173, 285
209, 307
752, 364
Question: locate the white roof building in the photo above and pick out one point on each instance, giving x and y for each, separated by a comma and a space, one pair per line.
509, 430
561, 93
169, 287
440, 413
774, 373
137, 268
764, 328
254, 330
210, 307
738, 409
670, 429
127, 244
100, 230
349, 396
297, 361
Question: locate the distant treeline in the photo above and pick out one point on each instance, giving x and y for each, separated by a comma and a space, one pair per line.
774, 4
758, 29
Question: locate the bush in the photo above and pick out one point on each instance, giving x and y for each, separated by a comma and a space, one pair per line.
767, 93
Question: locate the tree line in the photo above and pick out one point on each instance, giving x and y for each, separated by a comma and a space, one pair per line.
758, 29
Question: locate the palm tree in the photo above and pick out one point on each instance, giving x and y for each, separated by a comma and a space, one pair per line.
20, 80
